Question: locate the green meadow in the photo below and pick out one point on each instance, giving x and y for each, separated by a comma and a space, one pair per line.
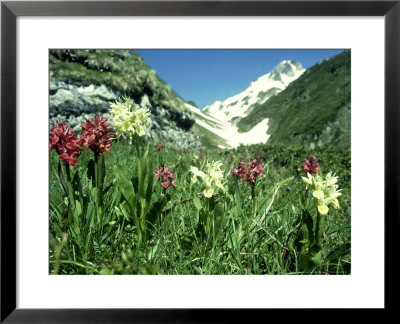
111, 215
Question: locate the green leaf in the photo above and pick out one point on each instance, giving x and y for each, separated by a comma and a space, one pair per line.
78, 208
125, 185
152, 252
339, 252
61, 176
319, 227
305, 262
308, 221
197, 202
101, 169
156, 209
56, 201
142, 211
149, 189
76, 185
128, 192
146, 153
316, 259
141, 176
105, 271
238, 200
90, 172
218, 215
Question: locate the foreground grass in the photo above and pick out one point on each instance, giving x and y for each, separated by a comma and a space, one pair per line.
250, 236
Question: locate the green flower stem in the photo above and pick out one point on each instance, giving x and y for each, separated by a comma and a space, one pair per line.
139, 163
253, 197
209, 221
319, 227
136, 140
70, 190
99, 190
253, 190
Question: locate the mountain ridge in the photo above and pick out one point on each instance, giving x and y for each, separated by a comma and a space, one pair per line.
312, 110
260, 90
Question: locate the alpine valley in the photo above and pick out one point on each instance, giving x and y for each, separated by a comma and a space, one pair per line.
289, 105
255, 184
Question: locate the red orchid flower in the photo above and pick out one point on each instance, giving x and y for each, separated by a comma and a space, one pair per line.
241, 171
65, 142
249, 171
166, 176
254, 169
311, 165
96, 135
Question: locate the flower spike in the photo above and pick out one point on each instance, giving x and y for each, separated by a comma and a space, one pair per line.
65, 142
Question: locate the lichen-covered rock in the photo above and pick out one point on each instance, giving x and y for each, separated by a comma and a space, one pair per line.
68, 99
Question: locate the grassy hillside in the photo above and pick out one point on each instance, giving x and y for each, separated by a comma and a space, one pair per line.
123, 71
312, 110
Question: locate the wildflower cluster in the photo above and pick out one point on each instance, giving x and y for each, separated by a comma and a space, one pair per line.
324, 190
166, 176
249, 171
96, 135
212, 177
311, 165
129, 120
65, 142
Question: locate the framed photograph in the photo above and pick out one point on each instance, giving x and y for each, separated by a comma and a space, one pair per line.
163, 158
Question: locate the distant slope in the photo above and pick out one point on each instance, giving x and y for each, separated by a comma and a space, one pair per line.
312, 110
259, 91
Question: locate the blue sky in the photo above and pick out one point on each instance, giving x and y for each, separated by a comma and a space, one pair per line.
205, 76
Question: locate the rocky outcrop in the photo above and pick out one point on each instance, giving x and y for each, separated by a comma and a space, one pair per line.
77, 104
72, 100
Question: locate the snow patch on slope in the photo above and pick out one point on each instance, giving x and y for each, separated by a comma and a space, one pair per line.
258, 92
229, 132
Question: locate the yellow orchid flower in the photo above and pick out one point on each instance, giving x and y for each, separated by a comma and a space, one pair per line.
319, 194
129, 120
308, 180
323, 209
324, 190
212, 177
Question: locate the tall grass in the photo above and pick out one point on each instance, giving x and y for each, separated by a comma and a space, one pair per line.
233, 232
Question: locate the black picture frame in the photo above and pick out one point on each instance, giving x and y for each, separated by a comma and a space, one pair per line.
10, 10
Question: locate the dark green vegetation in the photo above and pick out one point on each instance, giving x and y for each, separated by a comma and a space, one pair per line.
240, 235
123, 71
312, 110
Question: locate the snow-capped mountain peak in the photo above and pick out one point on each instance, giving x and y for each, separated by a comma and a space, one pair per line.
232, 109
